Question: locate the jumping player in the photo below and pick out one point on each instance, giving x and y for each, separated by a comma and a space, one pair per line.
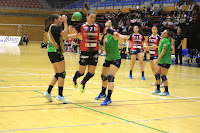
90, 31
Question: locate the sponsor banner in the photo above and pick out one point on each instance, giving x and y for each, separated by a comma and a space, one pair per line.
10, 40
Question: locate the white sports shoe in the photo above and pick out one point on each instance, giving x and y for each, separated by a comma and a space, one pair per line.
62, 99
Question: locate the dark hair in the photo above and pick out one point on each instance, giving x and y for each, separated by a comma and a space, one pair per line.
170, 33
91, 11
155, 26
53, 17
140, 30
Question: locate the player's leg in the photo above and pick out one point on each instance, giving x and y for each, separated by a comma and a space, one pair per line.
92, 63
133, 58
141, 64
157, 77
83, 62
164, 71
61, 76
104, 79
53, 81
111, 77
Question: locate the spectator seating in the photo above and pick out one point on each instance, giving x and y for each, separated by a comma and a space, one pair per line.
21, 3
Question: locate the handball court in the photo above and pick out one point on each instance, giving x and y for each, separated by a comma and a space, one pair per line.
25, 73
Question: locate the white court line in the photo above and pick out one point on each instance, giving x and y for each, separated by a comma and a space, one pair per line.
18, 72
98, 71
39, 87
143, 93
72, 70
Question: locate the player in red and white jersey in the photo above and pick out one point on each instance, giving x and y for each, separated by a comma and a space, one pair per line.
137, 41
90, 31
153, 43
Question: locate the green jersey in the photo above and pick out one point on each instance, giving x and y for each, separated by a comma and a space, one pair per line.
112, 50
165, 44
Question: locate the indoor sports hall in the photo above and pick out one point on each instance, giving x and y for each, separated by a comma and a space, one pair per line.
25, 71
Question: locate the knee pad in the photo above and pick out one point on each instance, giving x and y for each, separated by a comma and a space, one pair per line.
110, 78
103, 77
56, 75
62, 74
157, 76
164, 78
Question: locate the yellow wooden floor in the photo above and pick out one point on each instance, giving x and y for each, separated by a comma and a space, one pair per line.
25, 72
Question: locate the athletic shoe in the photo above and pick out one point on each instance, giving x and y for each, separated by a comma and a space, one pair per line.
164, 93
106, 102
100, 96
62, 99
75, 84
143, 78
82, 88
130, 76
48, 96
156, 92
153, 84
162, 85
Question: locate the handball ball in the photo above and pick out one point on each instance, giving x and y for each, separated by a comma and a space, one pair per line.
77, 16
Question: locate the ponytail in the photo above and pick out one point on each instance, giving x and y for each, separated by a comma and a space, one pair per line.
170, 33
53, 17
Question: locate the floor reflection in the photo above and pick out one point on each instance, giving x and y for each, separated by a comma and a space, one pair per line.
9, 49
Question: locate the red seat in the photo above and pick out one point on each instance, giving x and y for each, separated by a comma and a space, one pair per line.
18, 5
30, 6
1, 4
8, 4
26, 6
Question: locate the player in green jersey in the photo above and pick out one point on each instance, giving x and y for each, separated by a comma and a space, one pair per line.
164, 61
110, 66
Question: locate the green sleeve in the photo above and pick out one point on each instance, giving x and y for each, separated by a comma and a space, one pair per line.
166, 44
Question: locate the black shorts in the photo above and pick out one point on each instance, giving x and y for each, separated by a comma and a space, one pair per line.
117, 63
55, 57
152, 57
165, 65
136, 51
88, 58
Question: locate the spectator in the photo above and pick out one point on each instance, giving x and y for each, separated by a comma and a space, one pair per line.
119, 13
162, 18
178, 46
170, 24
177, 23
190, 9
195, 17
164, 24
196, 7
145, 21
159, 11
150, 21
173, 18
152, 9
25, 39
168, 17
182, 20
121, 25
